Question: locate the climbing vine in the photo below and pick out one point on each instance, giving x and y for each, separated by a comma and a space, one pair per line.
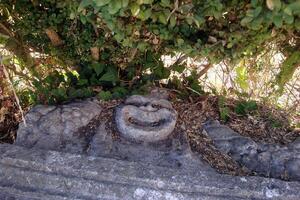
68, 49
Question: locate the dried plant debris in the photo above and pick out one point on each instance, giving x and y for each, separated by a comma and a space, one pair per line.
107, 115
264, 125
10, 117
191, 116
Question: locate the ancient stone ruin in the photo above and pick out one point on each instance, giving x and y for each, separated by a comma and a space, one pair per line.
145, 126
69, 152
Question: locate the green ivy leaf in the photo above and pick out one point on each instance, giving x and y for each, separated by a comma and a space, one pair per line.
135, 9
144, 1
59, 93
294, 7
82, 82
172, 21
98, 67
142, 46
189, 20
83, 19
125, 3
288, 11
165, 3
180, 41
256, 24
105, 95
83, 4
109, 76
254, 3
278, 21
199, 21
119, 92
161, 72
274, 4
101, 3
114, 6
144, 15
288, 18
257, 11
229, 45
79, 93
178, 68
162, 18
246, 21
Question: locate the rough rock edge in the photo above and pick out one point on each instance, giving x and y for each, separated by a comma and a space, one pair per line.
270, 160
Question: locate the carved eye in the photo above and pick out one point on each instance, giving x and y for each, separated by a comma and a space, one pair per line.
145, 119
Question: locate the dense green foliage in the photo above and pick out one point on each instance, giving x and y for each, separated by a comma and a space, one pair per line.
117, 44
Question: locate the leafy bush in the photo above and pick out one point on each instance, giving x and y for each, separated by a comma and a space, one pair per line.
92, 46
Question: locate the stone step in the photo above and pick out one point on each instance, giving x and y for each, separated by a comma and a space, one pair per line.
40, 174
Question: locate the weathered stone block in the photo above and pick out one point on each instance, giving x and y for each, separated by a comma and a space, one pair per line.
55, 127
27, 174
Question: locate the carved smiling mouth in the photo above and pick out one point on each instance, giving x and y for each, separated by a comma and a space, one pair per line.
145, 119
141, 123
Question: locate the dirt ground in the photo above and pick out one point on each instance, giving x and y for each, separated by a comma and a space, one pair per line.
192, 113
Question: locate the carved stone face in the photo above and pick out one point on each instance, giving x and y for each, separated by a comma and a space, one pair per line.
145, 119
